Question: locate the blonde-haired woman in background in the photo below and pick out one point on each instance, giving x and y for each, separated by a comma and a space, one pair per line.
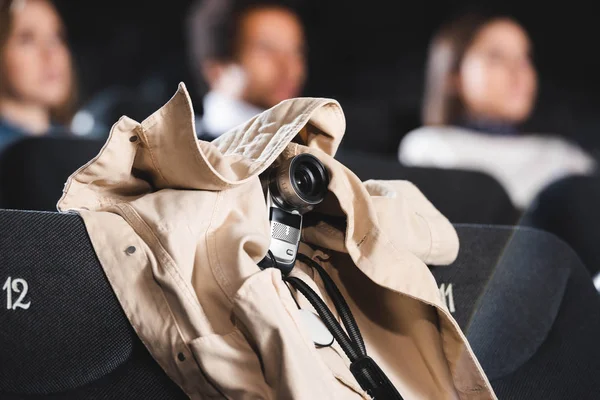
481, 85
37, 90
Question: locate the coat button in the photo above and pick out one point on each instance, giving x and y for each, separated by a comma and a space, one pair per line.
181, 357
130, 250
133, 139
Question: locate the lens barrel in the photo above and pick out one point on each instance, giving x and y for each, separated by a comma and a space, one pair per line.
299, 183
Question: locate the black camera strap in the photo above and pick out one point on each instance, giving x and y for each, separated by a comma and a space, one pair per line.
368, 374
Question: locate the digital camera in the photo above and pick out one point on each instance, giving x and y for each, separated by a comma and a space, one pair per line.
292, 188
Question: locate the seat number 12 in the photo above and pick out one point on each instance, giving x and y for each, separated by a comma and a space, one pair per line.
17, 287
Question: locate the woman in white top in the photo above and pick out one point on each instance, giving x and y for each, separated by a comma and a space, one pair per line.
480, 85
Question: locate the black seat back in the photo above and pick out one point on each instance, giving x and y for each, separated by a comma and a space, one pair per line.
63, 332
529, 309
462, 196
569, 208
33, 171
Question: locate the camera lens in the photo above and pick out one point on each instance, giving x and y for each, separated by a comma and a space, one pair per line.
309, 178
305, 180
300, 183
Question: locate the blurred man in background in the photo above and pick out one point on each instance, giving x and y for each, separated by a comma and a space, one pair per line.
250, 56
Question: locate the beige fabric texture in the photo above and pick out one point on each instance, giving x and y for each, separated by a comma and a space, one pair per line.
196, 214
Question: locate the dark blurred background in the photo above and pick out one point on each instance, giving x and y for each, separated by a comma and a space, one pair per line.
368, 55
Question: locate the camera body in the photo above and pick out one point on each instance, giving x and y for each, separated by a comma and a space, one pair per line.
293, 188
286, 229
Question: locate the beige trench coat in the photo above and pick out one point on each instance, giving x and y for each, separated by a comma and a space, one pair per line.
221, 327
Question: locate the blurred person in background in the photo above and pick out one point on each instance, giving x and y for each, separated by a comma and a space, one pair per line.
481, 84
250, 55
37, 93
